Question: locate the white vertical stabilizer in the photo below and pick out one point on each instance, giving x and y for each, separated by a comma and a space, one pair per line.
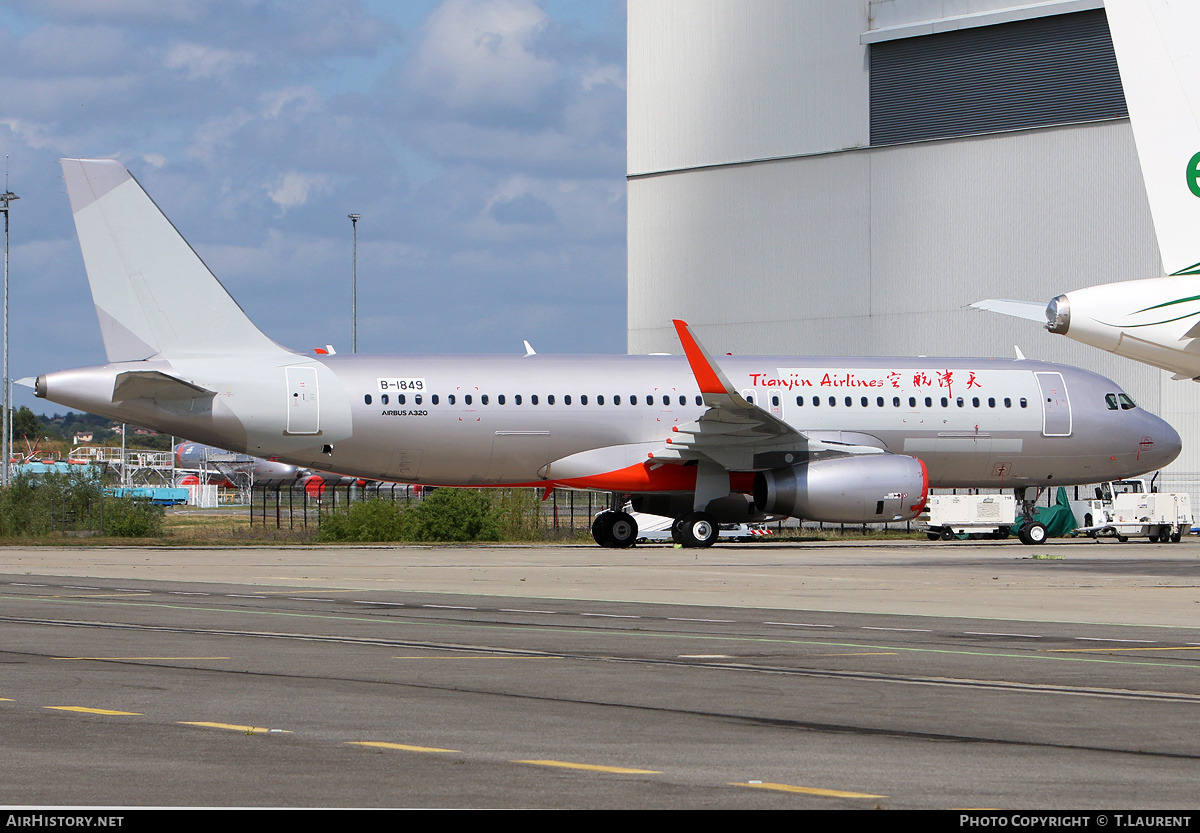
1159, 59
153, 294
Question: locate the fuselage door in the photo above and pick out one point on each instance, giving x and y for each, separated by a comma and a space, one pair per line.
303, 416
1056, 406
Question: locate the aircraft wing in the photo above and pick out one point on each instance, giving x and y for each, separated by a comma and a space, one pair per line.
1033, 310
736, 433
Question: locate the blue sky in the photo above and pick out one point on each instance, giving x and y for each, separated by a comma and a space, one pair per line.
482, 141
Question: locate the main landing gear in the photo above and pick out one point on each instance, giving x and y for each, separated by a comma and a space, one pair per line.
617, 530
697, 529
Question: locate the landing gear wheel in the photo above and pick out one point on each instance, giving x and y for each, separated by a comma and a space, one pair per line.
614, 529
602, 529
698, 530
623, 531
1033, 533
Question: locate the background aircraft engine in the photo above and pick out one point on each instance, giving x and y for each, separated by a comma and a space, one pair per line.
858, 489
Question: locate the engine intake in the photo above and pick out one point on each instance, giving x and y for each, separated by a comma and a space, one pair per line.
859, 489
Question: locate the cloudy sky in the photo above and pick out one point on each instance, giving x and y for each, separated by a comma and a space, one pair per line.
482, 141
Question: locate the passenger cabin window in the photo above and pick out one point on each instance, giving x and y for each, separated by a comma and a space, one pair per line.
699, 399
533, 399
550, 399
467, 399
500, 399
434, 399
367, 399
484, 399
1024, 403
383, 398
600, 399
450, 399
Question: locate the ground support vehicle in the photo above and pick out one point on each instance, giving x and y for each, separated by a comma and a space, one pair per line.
1158, 516
979, 516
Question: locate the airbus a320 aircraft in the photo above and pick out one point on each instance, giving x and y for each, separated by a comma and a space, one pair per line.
1153, 320
702, 440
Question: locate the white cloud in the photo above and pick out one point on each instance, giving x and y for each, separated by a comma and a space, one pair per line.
479, 54
202, 62
293, 188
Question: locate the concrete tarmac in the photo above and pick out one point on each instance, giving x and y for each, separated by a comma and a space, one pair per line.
1084, 580
856, 675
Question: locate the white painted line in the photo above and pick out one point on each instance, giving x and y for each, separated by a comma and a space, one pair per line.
451, 607
714, 621
798, 624
902, 630
611, 615
986, 633
519, 610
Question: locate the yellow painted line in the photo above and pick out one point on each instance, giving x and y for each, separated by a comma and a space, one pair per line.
156, 658
91, 711
592, 767
1115, 650
791, 788
231, 726
402, 746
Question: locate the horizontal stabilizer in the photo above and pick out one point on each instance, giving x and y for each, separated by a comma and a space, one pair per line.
152, 384
1033, 310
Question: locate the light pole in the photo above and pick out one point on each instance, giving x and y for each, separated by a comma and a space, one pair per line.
353, 287
6, 424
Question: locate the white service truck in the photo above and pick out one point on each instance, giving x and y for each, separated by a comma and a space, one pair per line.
990, 516
1125, 509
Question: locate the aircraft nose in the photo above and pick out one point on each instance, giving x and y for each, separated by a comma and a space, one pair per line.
1159, 443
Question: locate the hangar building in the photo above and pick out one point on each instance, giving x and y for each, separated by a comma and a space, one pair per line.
842, 177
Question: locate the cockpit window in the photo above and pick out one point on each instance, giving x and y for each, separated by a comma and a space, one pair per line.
1110, 399
1127, 404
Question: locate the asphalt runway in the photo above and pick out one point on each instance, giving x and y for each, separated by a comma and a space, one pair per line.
912, 675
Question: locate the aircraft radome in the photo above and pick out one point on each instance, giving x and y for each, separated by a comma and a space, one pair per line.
699, 439
1152, 320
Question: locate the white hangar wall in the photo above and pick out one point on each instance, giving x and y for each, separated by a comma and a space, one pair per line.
760, 213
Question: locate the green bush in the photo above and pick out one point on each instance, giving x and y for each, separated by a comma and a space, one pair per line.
446, 514
368, 520
457, 515
129, 518
74, 501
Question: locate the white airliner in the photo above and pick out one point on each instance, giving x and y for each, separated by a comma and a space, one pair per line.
700, 439
1154, 320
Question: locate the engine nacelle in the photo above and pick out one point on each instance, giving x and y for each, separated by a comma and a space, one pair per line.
869, 488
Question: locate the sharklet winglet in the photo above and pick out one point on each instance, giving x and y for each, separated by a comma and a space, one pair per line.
709, 377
